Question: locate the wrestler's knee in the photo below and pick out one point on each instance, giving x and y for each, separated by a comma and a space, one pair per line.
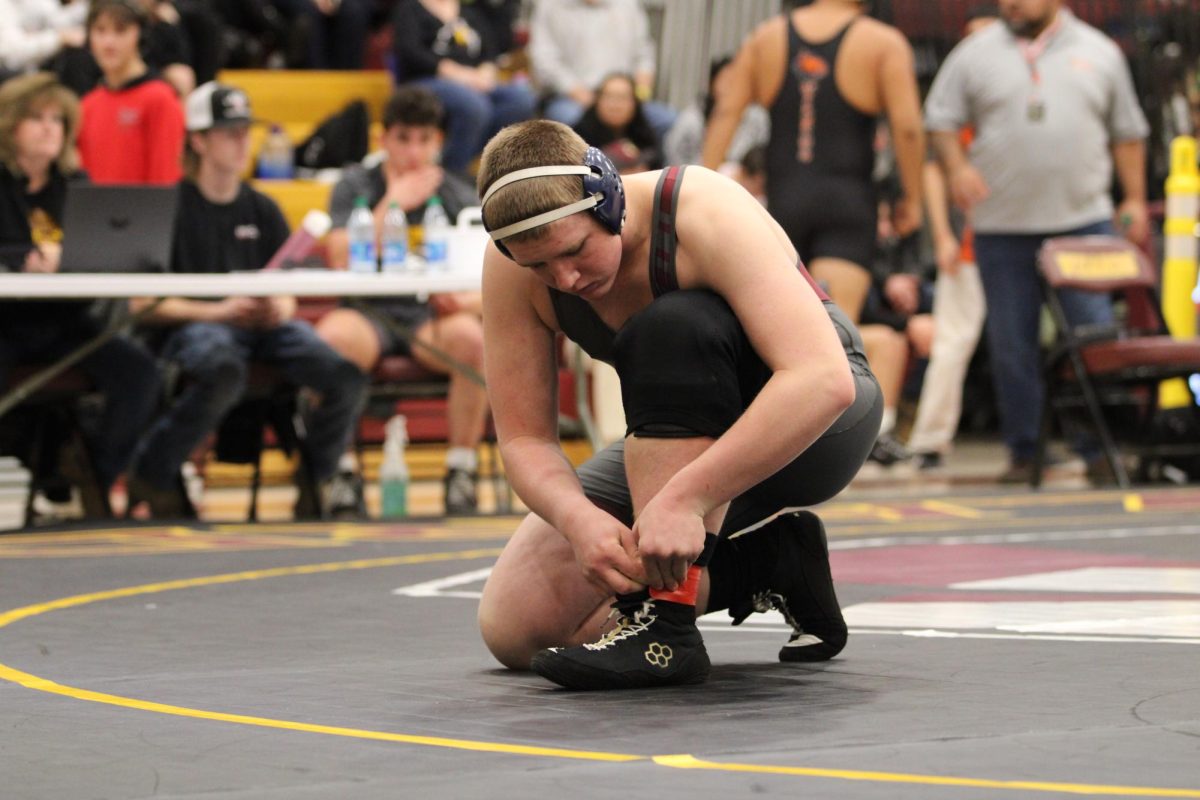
533, 595
682, 362
508, 642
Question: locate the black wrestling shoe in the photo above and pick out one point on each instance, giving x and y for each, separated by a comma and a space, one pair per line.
655, 643
801, 588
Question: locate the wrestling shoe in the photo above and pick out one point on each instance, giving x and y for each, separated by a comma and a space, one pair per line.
800, 587
655, 643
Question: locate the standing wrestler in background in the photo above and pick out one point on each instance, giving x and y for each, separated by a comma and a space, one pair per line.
826, 72
746, 394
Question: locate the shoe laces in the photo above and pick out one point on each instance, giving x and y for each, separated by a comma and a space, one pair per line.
762, 602
629, 623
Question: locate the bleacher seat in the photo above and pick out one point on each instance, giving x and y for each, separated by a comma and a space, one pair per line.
296, 197
299, 100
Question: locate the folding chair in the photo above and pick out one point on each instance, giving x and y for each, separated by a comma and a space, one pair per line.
271, 404
1099, 369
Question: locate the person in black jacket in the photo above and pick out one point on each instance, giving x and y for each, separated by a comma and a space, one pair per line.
617, 124
451, 49
223, 225
38, 121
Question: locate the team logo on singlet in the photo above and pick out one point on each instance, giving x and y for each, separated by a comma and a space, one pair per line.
810, 69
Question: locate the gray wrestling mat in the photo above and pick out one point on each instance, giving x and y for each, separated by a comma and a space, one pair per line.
1002, 646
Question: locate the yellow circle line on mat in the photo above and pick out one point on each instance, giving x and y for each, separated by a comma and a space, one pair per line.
682, 761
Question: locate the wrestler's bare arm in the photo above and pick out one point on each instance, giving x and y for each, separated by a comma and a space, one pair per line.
729, 245
521, 369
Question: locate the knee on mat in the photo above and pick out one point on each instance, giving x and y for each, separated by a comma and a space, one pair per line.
514, 649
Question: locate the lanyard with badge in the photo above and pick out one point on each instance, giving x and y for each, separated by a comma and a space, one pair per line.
1032, 50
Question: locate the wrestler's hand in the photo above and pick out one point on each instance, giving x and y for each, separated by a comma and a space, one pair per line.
604, 551
668, 540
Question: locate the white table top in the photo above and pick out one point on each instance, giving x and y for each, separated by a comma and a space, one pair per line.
297, 283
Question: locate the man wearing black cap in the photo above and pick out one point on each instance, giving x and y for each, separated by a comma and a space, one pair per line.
223, 225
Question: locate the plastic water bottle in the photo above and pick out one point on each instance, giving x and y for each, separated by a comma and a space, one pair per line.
360, 229
276, 158
394, 241
436, 235
393, 472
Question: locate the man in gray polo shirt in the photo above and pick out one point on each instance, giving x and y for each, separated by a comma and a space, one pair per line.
1054, 111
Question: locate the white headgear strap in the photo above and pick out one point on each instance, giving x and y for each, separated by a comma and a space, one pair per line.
550, 216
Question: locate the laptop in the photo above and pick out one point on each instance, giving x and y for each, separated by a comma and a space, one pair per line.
118, 228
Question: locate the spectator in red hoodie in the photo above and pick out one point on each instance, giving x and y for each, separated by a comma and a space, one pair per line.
132, 123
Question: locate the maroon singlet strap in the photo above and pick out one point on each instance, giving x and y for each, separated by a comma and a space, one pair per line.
663, 241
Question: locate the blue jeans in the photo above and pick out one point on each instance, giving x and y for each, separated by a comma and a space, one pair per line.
1008, 269
474, 117
336, 41
214, 360
121, 369
561, 108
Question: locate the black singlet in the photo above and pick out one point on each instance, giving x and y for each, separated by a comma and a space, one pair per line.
580, 322
831, 137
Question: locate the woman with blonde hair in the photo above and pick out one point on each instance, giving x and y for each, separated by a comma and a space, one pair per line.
38, 121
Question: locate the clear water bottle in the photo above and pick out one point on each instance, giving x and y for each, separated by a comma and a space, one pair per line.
276, 157
394, 241
360, 229
393, 472
436, 235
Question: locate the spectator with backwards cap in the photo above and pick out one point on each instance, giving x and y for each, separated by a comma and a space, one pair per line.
223, 225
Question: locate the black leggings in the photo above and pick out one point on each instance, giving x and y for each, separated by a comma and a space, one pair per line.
686, 365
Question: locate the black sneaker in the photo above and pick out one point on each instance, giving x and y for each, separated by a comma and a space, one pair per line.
171, 503
1100, 472
655, 643
887, 451
800, 588
344, 496
461, 496
929, 461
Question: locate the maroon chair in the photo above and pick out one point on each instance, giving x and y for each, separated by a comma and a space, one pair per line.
1101, 369
399, 384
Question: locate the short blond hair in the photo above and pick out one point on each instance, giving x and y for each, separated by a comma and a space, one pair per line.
536, 143
20, 97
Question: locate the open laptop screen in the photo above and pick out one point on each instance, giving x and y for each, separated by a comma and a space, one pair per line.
118, 228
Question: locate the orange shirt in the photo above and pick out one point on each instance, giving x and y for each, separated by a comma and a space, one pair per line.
966, 245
